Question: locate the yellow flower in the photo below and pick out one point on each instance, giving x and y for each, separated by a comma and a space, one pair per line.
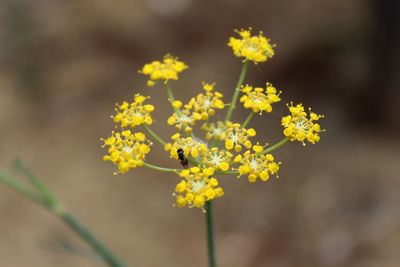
191, 147
135, 113
298, 126
166, 70
183, 119
127, 150
258, 99
197, 187
256, 165
236, 136
256, 48
205, 104
217, 158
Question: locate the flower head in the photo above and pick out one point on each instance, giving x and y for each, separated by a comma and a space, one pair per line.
127, 150
256, 48
135, 113
219, 159
166, 70
197, 187
259, 99
206, 104
236, 136
191, 147
183, 119
255, 165
301, 126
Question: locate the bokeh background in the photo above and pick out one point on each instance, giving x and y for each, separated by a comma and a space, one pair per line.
63, 65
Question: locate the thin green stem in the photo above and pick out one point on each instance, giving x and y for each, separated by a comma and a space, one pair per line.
171, 96
277, 145
158, 168
248, 119
237, 91
46, 198
226, 172
210, 235
103, 251
22, 188
154, 135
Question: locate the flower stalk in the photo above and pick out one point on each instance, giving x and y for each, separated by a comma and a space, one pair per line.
41, 195
248, 119
235, 96
212, 261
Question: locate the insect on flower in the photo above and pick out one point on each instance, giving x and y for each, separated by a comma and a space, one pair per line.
181, 155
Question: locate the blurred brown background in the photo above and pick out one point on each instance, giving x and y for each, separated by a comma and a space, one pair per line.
63, 65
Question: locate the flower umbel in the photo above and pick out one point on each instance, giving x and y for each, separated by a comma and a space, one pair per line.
259, 99
135, 113
236, 136
256, 48
197, 187
206, 104
257, 165
191, 147
166, 70
127, 150
224, 146
298, 126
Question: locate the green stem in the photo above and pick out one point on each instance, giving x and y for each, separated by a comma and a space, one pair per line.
154, 135
248, 119
237, 91
157, 168
103, 251
22, 188
171, 96
226, 172
277, 145
210, 235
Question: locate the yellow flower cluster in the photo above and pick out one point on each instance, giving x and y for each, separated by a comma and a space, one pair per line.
256, 48
227, 147
256, 165
219, 159
166, 70
197, 187
127, 150
258, 99
299, 127
199, 108
190, 146
236, 136
135, 113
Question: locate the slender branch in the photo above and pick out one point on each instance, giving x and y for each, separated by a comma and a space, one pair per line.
154, 135
103, 251
171, 96
210, 235
277, 145
248, 119
41, 197
158, 168
237, 91
226, 172
21, 188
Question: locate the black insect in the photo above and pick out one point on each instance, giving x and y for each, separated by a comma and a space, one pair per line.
181, 155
